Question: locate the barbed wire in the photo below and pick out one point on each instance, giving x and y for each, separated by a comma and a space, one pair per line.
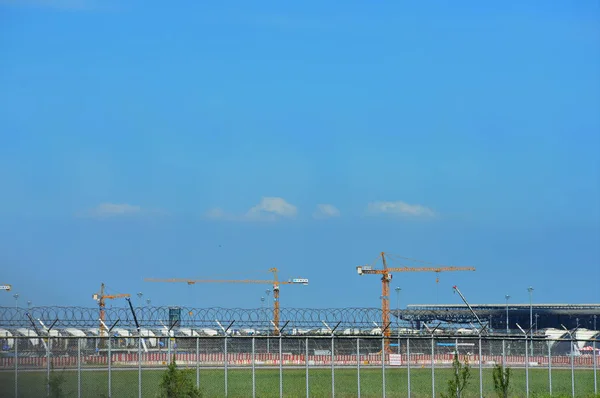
258, 318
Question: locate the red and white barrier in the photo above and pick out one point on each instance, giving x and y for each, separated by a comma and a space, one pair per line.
245, 359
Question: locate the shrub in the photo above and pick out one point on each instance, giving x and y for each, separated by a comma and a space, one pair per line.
55, 383
501, 381
178, 383
460, 379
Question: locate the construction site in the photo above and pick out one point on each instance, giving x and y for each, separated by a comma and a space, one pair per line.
390, 340
159, 323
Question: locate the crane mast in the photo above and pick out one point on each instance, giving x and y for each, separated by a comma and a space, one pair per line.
386, 277
100, 297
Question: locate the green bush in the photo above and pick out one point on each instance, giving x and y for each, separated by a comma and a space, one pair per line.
501, 381
55, 383
460, 379
178, 383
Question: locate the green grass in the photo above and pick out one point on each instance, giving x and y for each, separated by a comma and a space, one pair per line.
125, 383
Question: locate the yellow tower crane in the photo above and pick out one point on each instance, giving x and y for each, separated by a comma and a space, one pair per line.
100, 297
275, 282
386, 277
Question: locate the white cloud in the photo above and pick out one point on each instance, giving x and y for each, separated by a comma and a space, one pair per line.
112, 210
326, 211
400, 208
268, 209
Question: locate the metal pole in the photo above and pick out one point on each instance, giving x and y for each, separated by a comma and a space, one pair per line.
358, 364
78, 368
306, 365
530, 290
48, 366
573, 367
139, 365
408, 363
595, 359
503, 354
197, 362
550, 368
253, 371
595, 354
507, 328
432, 367
16, 340
383, 365
280, 368
109, 368
526, 367
332, 367
169, 347
480, 371
225, 363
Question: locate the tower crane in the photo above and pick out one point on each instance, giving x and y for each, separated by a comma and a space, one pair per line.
100, 297
386, 277
275, 282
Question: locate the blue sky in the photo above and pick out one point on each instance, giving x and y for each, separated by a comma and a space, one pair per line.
210, 139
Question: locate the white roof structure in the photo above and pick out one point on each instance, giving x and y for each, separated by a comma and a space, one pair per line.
75, 332
29, 333
6, 333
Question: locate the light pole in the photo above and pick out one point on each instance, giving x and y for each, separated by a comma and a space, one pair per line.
398, 314
29, 304
530, 290
507, 297
148, 302
140, 294
267, 292
536, 322
16, 296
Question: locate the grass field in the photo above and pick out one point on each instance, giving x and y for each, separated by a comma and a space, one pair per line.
125, 383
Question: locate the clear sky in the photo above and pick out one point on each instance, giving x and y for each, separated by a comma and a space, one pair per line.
204, 139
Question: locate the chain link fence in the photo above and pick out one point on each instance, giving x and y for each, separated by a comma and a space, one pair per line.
294, 366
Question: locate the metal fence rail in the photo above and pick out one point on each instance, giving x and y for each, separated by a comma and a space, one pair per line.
293, 365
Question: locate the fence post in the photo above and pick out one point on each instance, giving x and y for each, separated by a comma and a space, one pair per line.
595, 354
109, 367
139, 365
16, 340
358, 364
306, 364
526, 368
48, 366
503, 354
332, 367
383, 365
573, 367
432, 367
480, 371
549, 368
78, 367
253, 370
280, 367
408, 363
197, 362
225, 364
